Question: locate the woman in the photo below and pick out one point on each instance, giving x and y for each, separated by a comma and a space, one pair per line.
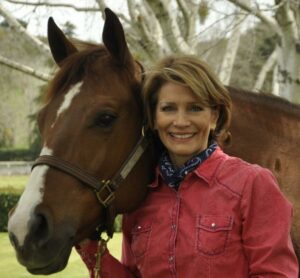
207, 214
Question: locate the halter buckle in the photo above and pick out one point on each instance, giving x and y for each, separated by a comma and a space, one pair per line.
105, 187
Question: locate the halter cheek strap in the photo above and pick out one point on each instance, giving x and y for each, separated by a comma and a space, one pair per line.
104, 189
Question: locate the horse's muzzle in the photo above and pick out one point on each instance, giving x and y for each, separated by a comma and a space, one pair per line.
44, 250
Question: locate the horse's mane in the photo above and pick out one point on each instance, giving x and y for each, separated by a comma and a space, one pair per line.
267, 100
74, 67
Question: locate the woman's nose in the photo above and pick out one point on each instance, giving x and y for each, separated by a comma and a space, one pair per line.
181, 120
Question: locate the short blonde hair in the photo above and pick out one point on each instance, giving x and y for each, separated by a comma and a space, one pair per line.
190, 71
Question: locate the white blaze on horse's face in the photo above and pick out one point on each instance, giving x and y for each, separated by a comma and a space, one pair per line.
69, 96
19, 222
32, 196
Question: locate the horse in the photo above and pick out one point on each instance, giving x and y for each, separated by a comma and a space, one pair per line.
265, 130
91, 129
95, 162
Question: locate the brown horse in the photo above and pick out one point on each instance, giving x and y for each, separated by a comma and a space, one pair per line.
266, 130
90, 125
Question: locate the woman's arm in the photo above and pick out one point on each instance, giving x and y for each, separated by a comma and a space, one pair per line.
266, 229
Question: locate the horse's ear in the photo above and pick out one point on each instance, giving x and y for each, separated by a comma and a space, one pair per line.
114, 38
60, 46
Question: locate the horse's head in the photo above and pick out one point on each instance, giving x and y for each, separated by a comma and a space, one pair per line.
92, 119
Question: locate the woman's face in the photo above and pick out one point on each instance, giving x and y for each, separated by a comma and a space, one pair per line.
183, 124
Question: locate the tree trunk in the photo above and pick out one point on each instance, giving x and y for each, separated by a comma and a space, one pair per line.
288, 51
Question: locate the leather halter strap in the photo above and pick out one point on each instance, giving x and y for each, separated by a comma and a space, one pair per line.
104, 189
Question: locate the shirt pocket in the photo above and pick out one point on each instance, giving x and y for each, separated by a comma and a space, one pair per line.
213, 233
140, 238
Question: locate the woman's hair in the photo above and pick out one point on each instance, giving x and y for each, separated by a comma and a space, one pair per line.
187, 70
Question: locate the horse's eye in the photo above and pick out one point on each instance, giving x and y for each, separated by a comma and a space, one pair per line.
105, 120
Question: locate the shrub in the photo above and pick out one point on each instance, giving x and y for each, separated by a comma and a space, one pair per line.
18, 154
8, 199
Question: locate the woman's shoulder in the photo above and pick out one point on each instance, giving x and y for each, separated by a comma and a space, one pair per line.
236, 173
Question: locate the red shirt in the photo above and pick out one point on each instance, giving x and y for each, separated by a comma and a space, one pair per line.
228, 219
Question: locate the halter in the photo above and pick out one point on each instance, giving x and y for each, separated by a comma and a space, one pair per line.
104, 189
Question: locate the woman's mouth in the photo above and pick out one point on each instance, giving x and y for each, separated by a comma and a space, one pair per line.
181, 135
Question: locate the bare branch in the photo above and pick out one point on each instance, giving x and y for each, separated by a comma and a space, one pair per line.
169, 26
16, 26
145, 29
186, 14
275, 83
102, 6
256, 12
24, 69
54, 5
269, 64
189, 11
231, 50
287, 21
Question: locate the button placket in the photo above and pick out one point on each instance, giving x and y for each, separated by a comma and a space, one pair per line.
173, 227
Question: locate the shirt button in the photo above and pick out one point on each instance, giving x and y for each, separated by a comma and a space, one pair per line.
185, 172
173, 226
171, 258
213, 225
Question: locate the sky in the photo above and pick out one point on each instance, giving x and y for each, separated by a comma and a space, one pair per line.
88, 24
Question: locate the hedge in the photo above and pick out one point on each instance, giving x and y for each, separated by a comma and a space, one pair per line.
18, 155
9, 198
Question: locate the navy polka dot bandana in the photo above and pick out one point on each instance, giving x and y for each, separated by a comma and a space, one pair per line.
173, 176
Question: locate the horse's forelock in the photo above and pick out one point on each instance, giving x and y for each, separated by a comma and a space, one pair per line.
76, 66
72, 70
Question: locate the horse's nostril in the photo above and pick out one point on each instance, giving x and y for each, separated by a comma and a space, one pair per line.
14, 241
41, 229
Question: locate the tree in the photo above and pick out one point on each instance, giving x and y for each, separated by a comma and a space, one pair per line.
232, 47
286, 24
157, 28
69, 29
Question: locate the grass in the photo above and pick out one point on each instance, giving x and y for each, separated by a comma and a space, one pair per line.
17, 182
10, 268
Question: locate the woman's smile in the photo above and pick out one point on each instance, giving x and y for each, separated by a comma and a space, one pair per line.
181, 136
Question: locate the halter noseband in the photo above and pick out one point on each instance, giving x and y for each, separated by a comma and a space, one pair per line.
104, 189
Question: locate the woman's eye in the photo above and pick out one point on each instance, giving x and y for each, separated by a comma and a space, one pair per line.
196, 108
167, 108
105, 120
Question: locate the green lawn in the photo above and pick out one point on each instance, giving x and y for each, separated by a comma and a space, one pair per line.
17, 182
10, 268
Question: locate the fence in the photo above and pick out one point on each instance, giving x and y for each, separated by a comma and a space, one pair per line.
10, 168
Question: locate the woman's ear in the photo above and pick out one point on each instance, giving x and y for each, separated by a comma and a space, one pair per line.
215, 112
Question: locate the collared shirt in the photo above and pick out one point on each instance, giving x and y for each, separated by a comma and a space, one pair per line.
228, 219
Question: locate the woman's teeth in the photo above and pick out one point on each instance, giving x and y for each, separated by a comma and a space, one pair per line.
182, 136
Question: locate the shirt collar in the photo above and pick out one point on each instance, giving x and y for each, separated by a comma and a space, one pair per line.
206, 170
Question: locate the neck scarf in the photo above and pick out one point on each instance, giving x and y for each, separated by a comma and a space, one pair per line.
172, 176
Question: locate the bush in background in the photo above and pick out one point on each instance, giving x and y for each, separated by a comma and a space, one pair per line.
18, 154
8, 199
